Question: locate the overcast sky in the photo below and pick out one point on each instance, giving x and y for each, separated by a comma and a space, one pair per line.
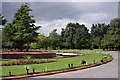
56, 15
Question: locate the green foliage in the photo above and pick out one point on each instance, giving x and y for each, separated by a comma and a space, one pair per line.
22, 29
75, 36
43, 41
2, 23
81, 37
97, 33
28, 57
54, 39
68, 35
112, 39
2, 20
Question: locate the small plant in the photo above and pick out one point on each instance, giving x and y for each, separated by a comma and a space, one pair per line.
27, 57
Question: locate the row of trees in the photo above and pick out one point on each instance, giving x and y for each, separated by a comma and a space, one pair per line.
21, 34
76, 36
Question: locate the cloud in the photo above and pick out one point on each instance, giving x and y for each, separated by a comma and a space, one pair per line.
94, 17
86, 19
56, 15
48, 26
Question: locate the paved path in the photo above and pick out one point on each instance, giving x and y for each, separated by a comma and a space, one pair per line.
109, 70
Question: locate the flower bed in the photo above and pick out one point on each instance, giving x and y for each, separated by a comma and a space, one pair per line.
24, 61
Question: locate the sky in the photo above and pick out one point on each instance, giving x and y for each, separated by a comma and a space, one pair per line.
56, 15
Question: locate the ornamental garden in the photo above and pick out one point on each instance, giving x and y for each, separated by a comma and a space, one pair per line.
15, 67
25, 51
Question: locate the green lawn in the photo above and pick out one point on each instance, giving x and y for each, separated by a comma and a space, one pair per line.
99, 50
59, 65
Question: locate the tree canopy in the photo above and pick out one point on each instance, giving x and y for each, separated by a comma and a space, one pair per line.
22, 28
112, 38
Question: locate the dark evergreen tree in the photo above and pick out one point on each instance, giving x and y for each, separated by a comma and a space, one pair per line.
23, 28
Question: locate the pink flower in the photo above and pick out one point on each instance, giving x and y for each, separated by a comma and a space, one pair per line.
27, 67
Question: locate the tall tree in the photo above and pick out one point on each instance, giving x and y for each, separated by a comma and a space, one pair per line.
112, 39
81, 37
23, 27
68, 35
2, 23
97, 33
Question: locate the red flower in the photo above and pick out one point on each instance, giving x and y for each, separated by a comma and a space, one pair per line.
7, 63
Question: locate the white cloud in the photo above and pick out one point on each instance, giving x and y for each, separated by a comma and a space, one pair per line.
87, 19
48, 26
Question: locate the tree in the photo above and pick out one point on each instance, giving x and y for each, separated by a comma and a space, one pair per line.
43, 41
97, 33
112, 39
54, 39
23, 28
75, 36
2, 23
81, 37
7, 34
68, 35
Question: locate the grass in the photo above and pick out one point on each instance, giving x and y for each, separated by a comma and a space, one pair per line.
59, 65
100, 50
83, 50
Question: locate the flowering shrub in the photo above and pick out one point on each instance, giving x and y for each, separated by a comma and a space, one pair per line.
23, 62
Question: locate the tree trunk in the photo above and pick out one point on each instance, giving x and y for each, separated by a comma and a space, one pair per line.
45, 48
21, 48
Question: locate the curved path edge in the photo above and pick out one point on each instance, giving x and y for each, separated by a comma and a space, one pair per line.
54, 72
